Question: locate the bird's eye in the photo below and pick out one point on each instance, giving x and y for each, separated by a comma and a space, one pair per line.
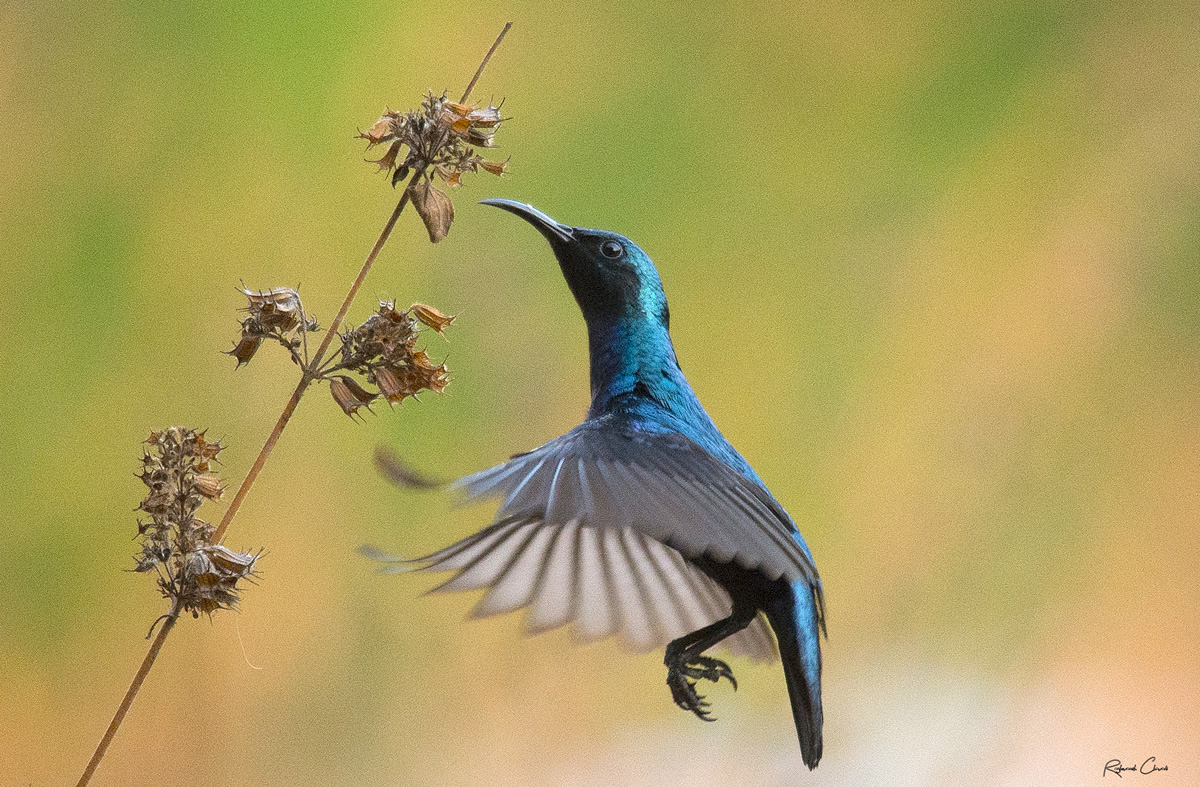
611, 249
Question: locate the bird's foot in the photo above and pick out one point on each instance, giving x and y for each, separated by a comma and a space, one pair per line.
681, 677
683, 691
709, 669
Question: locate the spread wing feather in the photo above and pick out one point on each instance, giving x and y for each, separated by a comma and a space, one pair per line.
606, 473
596, 528
607, 581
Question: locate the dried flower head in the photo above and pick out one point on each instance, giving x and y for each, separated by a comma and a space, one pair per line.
273, 314
213, 571
277, 308
383, 351
197, 575
437, 139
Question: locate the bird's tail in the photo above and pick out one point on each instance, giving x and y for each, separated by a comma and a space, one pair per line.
795, 621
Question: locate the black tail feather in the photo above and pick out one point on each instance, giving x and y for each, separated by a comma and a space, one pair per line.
803, 682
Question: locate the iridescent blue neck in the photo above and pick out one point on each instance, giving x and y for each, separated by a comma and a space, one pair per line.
634, 372
632, 356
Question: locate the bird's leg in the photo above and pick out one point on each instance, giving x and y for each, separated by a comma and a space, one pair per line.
685, 664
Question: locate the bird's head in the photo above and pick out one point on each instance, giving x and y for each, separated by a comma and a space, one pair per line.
610, 277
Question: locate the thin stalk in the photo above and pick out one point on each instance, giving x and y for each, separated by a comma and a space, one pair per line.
130, 693
305, 380
310, 373
486, 58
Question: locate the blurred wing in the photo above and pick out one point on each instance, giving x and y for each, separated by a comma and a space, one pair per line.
595, 527
606, 473
606, 580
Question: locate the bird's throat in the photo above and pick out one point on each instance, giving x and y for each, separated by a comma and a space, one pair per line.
632, 356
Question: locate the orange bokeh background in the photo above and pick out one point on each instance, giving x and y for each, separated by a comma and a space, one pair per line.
934, 269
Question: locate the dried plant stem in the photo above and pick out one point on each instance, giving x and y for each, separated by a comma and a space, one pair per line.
471, 85
305, 380
130, 693
310, 373
308, 376
256, 468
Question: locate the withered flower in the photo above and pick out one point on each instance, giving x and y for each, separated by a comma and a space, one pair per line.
245, 349
437, 139
497, 168
349, 395
215, 571
432, 317
210, 485
203, 450
277, 308
394, 384
276, 314
198, 576
434, 378
383, 351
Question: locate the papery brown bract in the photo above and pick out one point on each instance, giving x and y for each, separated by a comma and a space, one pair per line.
392, 384
349, 395
382, 129
389, 159
434, 378
246, 347
226, 560
480, 139
496, 168
432, 317
278, 308
360, 393
421, 359
210, 485
434, 207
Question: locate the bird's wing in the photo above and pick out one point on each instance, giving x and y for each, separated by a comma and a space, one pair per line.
594, 528
607, 580
608, 473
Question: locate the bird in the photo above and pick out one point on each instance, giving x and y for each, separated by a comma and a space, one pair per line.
643, 520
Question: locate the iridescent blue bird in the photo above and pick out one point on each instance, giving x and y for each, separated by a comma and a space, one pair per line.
643, 519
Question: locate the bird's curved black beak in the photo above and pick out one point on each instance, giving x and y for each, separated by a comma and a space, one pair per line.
551, 229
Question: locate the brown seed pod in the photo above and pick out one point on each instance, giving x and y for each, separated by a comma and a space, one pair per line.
349, 395
431, 317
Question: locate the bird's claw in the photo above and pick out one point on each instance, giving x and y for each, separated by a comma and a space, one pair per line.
709, 669
683, 691
681, 679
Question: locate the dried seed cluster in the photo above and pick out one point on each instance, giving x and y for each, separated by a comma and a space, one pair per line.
275, 314
197, 575
383, 350
441, 137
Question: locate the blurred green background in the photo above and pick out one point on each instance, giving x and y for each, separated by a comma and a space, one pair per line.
934, 268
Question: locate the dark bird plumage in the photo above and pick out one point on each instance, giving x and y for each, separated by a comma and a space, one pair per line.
644, 520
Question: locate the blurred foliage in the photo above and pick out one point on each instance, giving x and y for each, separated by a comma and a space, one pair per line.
933, 267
